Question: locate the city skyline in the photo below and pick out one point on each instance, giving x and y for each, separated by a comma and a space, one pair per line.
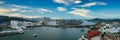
61, 9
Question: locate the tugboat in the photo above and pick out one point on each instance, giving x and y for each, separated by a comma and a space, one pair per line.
34, 35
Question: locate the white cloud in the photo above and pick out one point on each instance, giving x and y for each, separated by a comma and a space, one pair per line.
15, 9
2, 10
107, 15
81, 12
8, 12
111, 16
32, 16
61, 9
20, 15
28, 11
77, 1
93, 4
42, 10
61, 1
54, 18
1, 2
68, 2
23, 11
17, 6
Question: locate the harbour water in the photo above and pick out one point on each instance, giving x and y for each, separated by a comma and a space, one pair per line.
48, 33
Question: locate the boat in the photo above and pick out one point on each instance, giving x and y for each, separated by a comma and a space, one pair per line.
34, 35
83, 37
91, 35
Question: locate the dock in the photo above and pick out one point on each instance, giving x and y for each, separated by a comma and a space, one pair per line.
16, 31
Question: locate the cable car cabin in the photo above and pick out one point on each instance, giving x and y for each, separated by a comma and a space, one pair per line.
92, 34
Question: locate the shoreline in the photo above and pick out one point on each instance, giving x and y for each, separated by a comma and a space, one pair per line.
16, 31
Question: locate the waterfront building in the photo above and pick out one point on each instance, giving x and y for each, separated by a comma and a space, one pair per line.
88, 24
52, 22
19, 24
102, 24
106, 27
39, 23
28, 23
22, 24
111, 31
116, 24
45, 20
17, 27
69, 22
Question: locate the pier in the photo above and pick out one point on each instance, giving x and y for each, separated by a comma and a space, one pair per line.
16, 31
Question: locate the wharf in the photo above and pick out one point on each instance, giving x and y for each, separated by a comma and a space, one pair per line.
16, 31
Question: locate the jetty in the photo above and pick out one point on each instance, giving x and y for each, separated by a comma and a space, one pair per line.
16, 31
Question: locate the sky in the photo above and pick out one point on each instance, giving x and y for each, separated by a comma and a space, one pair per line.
61, 9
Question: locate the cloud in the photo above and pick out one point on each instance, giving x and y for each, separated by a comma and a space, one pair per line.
15, 12
93, 4
2, 10
20, 15
1, 2
54, 18
81, 12
68, 2
27, 9
107, 15
111, 16
60, 1
31, 16
77, 1
61, 9
24, 11
17, 6
43, 10
15, 9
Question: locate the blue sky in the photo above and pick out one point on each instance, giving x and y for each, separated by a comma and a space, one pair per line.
61, 9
